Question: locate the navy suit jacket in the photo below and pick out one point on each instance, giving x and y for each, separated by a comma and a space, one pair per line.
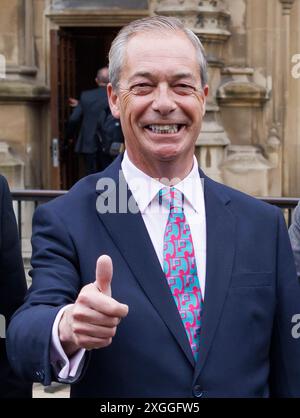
12, 290
86, 117
252, 293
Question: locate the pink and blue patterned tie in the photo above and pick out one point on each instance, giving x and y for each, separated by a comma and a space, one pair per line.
180, 267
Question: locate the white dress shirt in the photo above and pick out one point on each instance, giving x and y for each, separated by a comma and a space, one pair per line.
155, 216
145, 191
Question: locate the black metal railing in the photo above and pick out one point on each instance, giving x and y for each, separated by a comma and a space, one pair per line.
286, 204
36, 197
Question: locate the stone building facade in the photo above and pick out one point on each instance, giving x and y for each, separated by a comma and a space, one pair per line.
251, 133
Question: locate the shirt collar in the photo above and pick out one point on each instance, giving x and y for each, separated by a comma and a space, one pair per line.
145, 188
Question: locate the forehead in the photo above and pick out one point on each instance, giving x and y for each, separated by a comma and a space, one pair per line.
162, 52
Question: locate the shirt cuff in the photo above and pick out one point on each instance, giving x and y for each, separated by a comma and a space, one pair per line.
64, 367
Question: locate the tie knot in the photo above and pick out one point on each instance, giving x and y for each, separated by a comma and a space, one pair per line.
173, 198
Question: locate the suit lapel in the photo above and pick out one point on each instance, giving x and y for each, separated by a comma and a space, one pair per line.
220, 227
129, 233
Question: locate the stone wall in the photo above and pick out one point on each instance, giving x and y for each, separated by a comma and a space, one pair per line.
250, 137
99, 4
24, 96
24, 102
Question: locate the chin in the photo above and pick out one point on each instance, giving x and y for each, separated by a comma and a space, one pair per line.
169, 153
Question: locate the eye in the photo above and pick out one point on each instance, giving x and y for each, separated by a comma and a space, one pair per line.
142, 89
184, 89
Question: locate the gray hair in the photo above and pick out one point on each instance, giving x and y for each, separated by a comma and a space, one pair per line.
102, 75
148, 24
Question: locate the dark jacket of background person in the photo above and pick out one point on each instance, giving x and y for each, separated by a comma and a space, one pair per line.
294, 232
12, 289
85, 119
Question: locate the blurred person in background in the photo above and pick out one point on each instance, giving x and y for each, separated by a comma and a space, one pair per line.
12, 291
84, 124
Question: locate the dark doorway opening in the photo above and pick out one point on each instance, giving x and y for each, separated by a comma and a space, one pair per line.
76, 55
91, 51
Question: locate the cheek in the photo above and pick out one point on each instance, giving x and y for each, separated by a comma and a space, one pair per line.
133, 109
192, 105
197, 108
198, 98
125, 102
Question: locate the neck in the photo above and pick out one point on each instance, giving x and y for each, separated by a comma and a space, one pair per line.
167, 172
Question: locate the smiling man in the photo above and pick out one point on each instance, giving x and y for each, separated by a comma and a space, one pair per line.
160, 99
193, 293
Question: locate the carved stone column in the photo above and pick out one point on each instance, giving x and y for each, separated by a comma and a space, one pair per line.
29, 53
243, 97
288, 142
209, 20
26, 66
287, 6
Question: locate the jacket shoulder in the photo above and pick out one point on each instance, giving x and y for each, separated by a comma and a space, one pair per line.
242, 201
90, 94
78, 196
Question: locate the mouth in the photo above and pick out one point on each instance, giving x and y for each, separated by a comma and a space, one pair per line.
164, 129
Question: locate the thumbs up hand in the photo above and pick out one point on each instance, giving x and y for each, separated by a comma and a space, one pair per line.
91, 322
104, 273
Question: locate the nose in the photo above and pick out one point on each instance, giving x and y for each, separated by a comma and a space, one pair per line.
163, 101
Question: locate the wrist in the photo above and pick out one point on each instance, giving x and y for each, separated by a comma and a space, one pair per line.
65, 334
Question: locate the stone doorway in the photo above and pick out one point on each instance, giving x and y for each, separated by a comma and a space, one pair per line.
76, 55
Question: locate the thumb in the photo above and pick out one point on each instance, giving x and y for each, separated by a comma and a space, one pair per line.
104, 272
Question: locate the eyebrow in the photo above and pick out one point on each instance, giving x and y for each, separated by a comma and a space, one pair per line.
179, 76
176, 76
145, 74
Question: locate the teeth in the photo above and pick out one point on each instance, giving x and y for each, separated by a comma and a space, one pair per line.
164, 129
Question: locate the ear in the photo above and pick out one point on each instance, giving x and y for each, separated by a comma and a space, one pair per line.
205, 94
113, 100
